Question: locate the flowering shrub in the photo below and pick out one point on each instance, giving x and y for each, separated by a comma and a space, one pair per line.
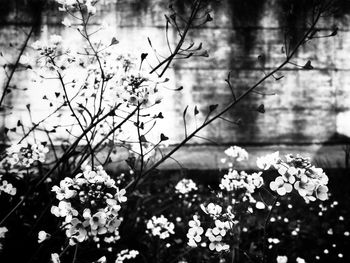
90, 205
309, 181
74, 211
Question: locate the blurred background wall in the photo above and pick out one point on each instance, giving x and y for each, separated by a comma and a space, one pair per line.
307, 111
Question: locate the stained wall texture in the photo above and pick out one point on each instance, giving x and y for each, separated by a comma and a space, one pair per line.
307, 111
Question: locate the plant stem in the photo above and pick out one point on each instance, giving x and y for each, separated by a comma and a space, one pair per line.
7, 85
267, 219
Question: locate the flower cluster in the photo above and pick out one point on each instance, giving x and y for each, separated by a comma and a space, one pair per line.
185, 186
237, 153
138, 88
75, 5
3, 231
6, 187
310, 182
24, 155
216, 235
160, 226
234, 180
194, 232
90, 204
126, 254
48, 48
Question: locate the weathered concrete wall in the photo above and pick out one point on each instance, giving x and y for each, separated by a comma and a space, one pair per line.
304, 110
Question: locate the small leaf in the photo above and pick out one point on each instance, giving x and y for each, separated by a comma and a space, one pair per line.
261, 108
114, 41
57, 94
51, 104
163, 137
199, 47
143, 138
160, 115
213, 107
149, 41
45, 98
180, 88
308, 65
143, 56
28, 107
19, 123
334, 32
209, 18
196, 110
13, 129
205, 54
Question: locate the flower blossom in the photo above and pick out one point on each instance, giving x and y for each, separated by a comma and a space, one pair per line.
160, 226
237, 153
194, 232
126, 254
185, 186
90, 204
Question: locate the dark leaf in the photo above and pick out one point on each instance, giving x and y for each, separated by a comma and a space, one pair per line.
143, 138
209, 18
19, 123
143, 56
57, 94
163, 137
45, 98
334, 32
28, 107
114, 41
160, 115
196, 110
13, 129
149, 41
261, 108
213, 107
308, 65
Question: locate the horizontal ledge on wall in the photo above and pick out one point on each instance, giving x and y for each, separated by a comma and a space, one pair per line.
203, 157
209, 157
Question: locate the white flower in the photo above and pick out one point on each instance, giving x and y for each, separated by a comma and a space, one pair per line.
55, 258
66, 22
160, 226
121, 195
185, 186
3, 231
126, 254
280, 186
265, 162
300, 260
260, 205
194, 232
212, 209
42, 236
282, 259
237, 153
